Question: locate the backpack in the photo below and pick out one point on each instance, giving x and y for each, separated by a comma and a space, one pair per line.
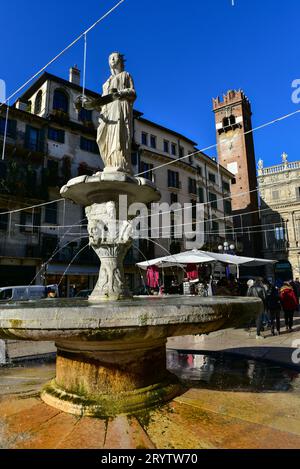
288, 299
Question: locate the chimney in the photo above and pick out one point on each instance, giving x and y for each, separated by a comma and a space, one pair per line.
74, 75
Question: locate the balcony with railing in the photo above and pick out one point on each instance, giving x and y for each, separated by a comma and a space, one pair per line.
279, 168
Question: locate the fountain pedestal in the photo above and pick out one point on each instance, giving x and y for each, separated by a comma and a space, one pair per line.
109, 378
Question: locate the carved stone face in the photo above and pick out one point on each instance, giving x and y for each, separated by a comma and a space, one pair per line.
116, 61
95, 232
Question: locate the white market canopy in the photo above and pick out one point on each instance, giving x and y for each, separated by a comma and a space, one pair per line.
188, 257
199, 257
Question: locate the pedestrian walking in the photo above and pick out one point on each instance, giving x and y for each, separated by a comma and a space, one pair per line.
289, 304
274, 307
258, 290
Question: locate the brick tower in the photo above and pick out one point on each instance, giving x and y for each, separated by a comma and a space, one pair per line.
236, 153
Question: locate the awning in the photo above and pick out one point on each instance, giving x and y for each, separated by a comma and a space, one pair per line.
59, 269
188, 257
200, 257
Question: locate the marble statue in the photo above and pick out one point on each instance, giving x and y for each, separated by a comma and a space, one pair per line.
115, 129
284, 157
260, 164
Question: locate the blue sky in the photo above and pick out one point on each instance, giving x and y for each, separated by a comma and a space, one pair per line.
180, 53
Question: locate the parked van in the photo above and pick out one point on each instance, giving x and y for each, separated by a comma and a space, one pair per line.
27, 292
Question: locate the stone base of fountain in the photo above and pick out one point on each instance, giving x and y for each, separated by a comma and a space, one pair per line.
111, 356
110, 378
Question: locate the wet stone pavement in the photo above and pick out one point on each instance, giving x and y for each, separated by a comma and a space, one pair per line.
228, 403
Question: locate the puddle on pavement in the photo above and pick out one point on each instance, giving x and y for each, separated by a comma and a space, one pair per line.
26, 378
229, 373
215, 371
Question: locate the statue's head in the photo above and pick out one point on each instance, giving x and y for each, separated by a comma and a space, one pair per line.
116, 61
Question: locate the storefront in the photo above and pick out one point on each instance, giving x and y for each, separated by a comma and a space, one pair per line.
75, 279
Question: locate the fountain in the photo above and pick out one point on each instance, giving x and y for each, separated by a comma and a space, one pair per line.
111, 349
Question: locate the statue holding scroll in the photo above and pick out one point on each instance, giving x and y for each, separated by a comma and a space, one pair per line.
116, 116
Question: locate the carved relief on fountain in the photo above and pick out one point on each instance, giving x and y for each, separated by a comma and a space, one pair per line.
111, 239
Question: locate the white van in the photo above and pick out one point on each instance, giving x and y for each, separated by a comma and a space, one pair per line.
27, 292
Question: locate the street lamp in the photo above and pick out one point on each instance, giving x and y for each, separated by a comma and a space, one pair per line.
226, 248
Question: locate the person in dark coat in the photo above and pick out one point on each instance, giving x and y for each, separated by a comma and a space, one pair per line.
274, 307
258, 290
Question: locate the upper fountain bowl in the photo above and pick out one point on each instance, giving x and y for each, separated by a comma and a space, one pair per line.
108, 186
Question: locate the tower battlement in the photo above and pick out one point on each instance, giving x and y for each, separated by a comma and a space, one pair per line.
231, 97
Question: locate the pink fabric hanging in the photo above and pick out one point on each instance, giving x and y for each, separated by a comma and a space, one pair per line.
153, 276
192, 271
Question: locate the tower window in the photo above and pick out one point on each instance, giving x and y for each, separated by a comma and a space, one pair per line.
228, 121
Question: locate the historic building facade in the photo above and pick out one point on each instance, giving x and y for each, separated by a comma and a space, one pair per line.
279, 188
48, 142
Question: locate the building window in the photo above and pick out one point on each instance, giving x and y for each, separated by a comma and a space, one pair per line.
201, 194
89, 145
60, 101
3, 220
30, 222
52, 167
194, 208
51, 213
199, 171
215, 228
49, 245
279, 233
38, 102
34, 139
57, 135
152, 141
212, 177
227, 207
173, 149
213, 199
181, 151
11, 127
275, 195
227, 121
173, 198
192, 186
146, 169
226, 186
85, 115
144, 139
173, 179
166, 146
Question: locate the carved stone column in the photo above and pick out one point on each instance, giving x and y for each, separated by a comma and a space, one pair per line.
111, 239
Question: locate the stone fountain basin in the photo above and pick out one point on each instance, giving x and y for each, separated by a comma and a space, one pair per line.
140, 318
111, 356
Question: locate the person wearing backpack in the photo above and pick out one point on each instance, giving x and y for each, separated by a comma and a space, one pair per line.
289, 304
